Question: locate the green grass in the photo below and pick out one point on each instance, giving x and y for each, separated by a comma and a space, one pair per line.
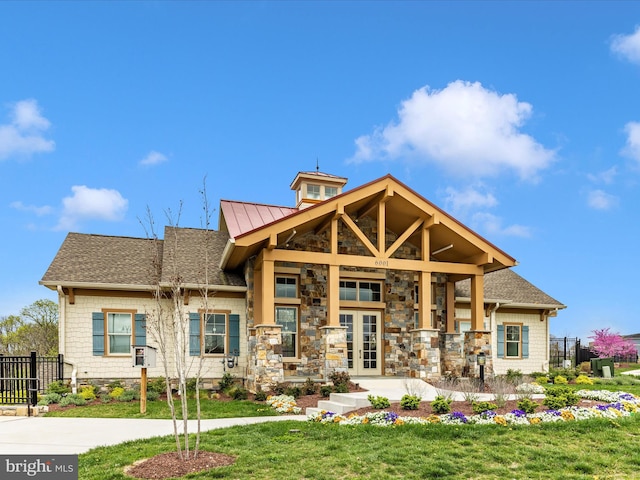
575, 450
160, 409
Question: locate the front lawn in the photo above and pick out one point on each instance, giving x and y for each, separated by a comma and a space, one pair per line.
159, 409
293, 450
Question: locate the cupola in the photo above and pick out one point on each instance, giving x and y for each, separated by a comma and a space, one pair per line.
315, 187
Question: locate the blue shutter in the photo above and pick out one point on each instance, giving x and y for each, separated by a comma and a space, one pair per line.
194, 334
525, 342
98, 333
500, 341
141, 332
234, 334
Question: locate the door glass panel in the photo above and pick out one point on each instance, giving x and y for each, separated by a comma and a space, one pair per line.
370, 341
346, 320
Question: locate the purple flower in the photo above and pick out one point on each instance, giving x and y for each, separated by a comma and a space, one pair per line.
627, 396
554, 412
519, 413
328, 414
616, 405
458, 416
602, 408
488, 414
391, 417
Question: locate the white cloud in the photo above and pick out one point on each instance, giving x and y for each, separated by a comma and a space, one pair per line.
492, 225
91, 204
465, 128
607, 176
39, 211
23, 135
601, 200
153, 158
627, 46
632, 148
460, 201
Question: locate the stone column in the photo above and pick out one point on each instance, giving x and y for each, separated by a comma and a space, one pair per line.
265, 362
333, 350
476, 341
424, 361
453, 356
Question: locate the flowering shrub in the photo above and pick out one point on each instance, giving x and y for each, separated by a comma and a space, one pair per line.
620, 404
560, 380
283, 404
530, 388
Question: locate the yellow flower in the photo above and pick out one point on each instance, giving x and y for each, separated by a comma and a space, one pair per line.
534, 421
433, 419
567, 415
399, 421
365, 420
500, 420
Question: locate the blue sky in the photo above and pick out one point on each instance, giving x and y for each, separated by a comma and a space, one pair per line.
522, 119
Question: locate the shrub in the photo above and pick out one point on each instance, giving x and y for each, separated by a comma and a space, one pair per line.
152, 395
260, 395
378, 402
157, 384
501, 389
105, 398
325, 390
293, 391
58, 387
341, 388
560, 380
583, 380
88, 392
527, 405
279, 388
115, 384
238, 393
480, 407
441, 405
560, 397
410, 402
340, 378
226, 382
585, 367
542, 380
513, 376
50, 398
127, 396
309, 387
72, 399
116, 392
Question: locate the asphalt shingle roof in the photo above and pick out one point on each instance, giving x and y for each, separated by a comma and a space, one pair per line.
109, 260
508, 285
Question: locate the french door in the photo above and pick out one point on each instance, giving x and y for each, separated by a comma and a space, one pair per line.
363, 341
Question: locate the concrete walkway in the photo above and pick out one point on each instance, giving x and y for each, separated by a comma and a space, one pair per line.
56, 435
632, 372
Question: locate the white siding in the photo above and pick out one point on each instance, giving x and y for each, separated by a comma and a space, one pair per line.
538, 344
79, 339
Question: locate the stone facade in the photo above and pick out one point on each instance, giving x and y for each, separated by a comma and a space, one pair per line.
265, 361
425, 354
474, 343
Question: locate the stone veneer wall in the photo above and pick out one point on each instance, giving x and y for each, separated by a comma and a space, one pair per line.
475, 342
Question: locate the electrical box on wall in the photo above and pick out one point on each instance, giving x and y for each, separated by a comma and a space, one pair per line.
144, 356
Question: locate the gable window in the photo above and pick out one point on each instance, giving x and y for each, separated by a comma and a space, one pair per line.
115, 331
286, 287
215, 334
330, 192
513, 340
218, 334
362, 291
313, 191
287, 317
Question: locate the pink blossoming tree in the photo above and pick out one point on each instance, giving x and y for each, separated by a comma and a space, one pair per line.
611, 344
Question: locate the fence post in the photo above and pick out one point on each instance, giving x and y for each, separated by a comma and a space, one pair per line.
33, 383
2, 375
60, 367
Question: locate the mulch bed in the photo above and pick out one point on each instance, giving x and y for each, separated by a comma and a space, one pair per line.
169, 465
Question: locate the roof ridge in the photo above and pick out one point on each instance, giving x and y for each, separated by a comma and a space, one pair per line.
259, 203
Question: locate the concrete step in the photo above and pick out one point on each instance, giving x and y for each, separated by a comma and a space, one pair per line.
340, 403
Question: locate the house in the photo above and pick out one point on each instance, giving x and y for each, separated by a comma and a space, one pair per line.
375, 280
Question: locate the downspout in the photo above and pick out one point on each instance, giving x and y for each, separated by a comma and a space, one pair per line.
62, 335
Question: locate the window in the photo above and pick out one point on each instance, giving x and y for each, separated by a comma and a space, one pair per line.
218, 334
313, 191
215, 329
361, 291
288, 318
512, 340
286, 287
330, 192
119, 326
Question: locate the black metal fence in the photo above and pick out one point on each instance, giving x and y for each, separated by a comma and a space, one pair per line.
22, 377
570, 351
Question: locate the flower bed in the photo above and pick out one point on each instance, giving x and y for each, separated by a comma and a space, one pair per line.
283, 404
621, 404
